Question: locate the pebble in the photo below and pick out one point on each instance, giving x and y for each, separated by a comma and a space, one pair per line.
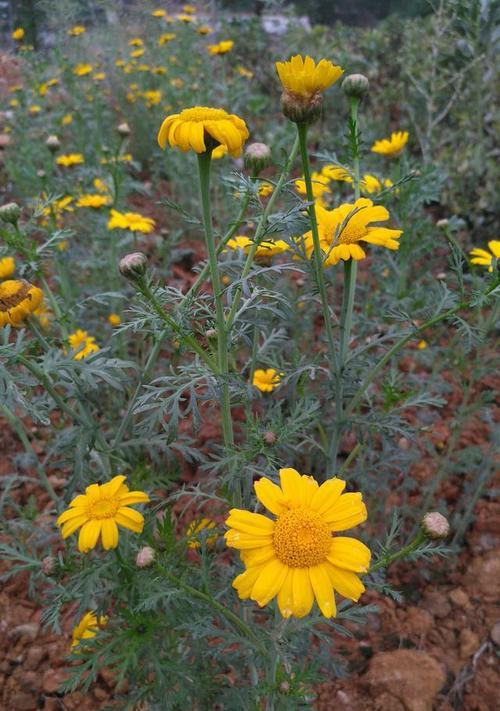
495, 633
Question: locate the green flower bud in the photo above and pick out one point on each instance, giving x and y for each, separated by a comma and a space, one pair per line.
355, 86
257, 157
10, 213
133, 266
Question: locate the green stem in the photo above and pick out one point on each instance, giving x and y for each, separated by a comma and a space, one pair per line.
350, 458
204, 165
403, 553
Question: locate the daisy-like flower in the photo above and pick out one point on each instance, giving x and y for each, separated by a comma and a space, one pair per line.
265, 189
67, 119
135, 42
189, 9
167, 37
18, 34
392, 146
221, 48
76, 31
7, 267
201, 526
193, 128
295, 557
485, 258
70, 159
341, 230
132, 221
184, 17
204, 30
266, 380
336, 172
18, 300
114, 320
320, 187
244, 72
265, 248
305, 78
83, 69
82, 344
100, 511
159, 13
92, 200
87, 628
371, 184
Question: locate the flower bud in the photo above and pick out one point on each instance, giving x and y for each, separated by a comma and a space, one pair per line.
355, 86
211, 333
145, 557
53, 143
133, 266
10, 213
48, 564
269, 437
435, 526
257, 157
123, 129
442, 224
301, 109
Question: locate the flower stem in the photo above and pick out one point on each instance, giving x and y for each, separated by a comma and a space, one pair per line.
318, 254
403, 553
204, 164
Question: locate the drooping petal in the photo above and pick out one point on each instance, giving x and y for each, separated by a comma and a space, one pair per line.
349, 554
129, 518
89, 533
269, 582
285, 595
323, 589
302, 592
109, 533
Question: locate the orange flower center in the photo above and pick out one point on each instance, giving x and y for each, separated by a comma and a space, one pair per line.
301, 538
103, 508
203, 113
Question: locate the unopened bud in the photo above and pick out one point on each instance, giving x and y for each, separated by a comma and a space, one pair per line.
435, 526
269, 437
210, 333
301, 109
285, 687
41, 174
10, 213
355, 86
257, 157
53, 143
48, 564
145, 557
123, 129
442, 224
133, 266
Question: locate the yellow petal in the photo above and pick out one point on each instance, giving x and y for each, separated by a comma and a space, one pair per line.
109, 534
270, 495
237, 539
69, 514
112, 487
327, 495
128, 518
494, 246
269, 581
302, 592
88, 536
291, 484
256, 556
251, 523
285, 595
349, 511
71, 526
346, 583
133, 497
323, 589
244, 582
349, 554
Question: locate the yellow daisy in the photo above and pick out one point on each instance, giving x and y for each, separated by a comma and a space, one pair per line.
266, 380
82, 344
132, 221
198, 526
305, 78
320, 187
92, 200
167, 37
341, 230
87, 628
192, 128
7, 267
265, 249
18, 299
481, 256
222, 48
391, 146
70, 159
100, 511
371, 184
82, 69
114, 320
76, 31
18, 34
295, 557
336, 172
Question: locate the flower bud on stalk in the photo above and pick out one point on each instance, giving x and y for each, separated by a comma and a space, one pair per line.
301, 109
355, 86
435, 526
257, 157
123, 129
133, 266
145, 557
10, 213
53, 143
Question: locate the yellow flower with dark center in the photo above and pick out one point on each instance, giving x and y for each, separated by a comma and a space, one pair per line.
100, 511
18, 300
200, 526
191, 129
336, 172
7, 267
485, 258
152, 97
167, 37
391, 146
132, 221
76, 31
341, 230
305, 78
82, 344
265, 248
70, 159
93, 200
87, 628
83, 69
114, 320
266, 380
137, 53
222, 48
295, 557
18, 34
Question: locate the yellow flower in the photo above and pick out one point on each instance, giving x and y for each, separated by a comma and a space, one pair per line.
422, 345
43, 315
295, 557
265, 189
305, 78
58, 206
67, 119
265, 249
87, 628
70, 159
7, 267
153, 98
76, 30
135, 42
200, 526
99, 76
204, 30
91, 200
191, 128
43, 88
34, 109
132, 221
18, 300
266, 380
244, 72
82, 344
159, 13
98, 512
137, 53
100, 185
341, 230
114, 320
188, 9
222, 48
319, 187
481, 256
185, 18
336, 172
18, 34
167, 37
82, 69
177, 82
391, 146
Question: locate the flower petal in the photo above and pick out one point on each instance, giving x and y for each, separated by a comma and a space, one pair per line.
89, 535
244, 582
69, 514
133, 497
256, 556
349, 554
269, 582
285, 595
129, 518
302, 592
348, 512
346, 583
109, 534
111, 487
323, 589
327, 495
251, 523
270, 495
71, 526
237, 539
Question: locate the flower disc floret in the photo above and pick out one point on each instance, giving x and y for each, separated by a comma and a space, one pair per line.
193, 128
301, 538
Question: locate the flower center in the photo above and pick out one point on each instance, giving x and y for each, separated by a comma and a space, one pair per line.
301, 538
103, 508
203, 113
